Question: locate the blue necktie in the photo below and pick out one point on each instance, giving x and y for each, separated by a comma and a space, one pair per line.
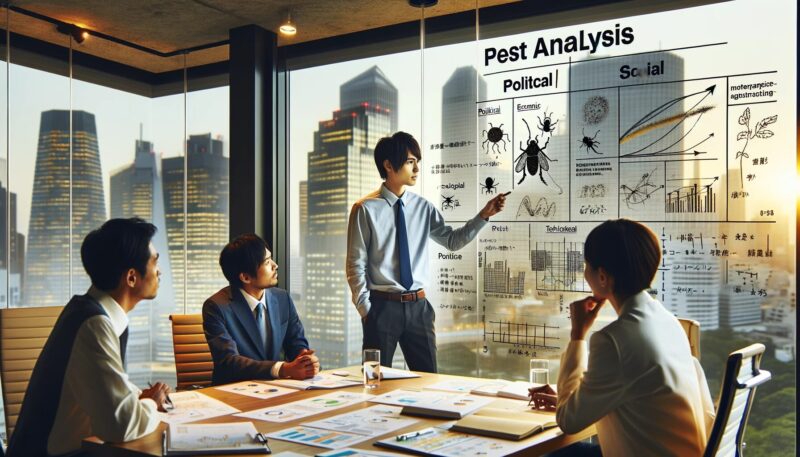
262, 324
406, 279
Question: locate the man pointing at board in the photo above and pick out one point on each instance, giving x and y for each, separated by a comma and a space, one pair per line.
387, 255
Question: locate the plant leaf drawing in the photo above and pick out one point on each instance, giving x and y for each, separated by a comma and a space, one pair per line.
759, 131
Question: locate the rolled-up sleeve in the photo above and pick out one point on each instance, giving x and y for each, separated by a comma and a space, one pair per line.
589, 386
358, 239
447, 236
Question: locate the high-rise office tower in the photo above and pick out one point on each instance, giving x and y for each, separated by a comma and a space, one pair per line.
341, 169
297, 285
375, 89
459, 95
206, 231
52, 237
12, 245
136, 191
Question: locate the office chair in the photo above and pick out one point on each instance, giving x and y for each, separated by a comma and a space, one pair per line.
23, 332
692, 329
742, 376
193, 362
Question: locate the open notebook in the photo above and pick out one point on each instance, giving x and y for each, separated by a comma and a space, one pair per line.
504, 423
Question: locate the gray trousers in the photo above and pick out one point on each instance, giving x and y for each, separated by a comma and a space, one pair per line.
409, 323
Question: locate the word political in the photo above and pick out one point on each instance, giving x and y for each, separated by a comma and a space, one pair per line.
583, 41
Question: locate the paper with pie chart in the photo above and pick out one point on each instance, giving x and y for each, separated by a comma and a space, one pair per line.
304, 408
371, 422
256, 389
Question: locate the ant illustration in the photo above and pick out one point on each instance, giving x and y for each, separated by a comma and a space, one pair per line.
533, 157
490, 186
547, 125
589, 142
494, 135
449, 202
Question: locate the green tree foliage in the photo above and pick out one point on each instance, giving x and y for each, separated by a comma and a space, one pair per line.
771, 428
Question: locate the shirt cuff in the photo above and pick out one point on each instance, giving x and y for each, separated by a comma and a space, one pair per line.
275, 371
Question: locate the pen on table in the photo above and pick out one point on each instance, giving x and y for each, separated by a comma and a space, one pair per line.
167, 401
408, 436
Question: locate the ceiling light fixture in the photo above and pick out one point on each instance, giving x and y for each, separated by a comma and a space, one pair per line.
77, 33
288, 27
423, 3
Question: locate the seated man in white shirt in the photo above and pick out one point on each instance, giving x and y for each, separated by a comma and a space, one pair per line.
639, 383
79, 387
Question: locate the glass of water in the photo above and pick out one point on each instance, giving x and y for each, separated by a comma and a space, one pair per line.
540, 371
372, 368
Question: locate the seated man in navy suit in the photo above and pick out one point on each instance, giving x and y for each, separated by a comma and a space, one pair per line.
251, 322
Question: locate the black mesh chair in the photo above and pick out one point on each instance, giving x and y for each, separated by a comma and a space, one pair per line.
742, 376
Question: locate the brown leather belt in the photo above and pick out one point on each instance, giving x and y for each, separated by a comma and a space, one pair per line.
401, 297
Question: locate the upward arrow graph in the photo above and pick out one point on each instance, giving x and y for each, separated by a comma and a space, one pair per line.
642, 124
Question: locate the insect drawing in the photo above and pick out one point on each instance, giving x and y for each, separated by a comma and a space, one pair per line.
489, 186
589, 142
547, 125
533, 159
494, 136
449, 202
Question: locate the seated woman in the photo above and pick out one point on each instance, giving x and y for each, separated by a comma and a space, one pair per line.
639, 383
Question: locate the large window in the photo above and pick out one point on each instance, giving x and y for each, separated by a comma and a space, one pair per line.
686, 134
82, 152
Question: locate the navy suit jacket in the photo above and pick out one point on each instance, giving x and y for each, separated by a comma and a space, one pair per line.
232, 334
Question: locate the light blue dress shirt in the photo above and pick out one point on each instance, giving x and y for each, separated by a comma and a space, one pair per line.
372, 262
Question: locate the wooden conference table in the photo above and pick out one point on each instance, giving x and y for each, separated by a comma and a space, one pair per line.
150, 445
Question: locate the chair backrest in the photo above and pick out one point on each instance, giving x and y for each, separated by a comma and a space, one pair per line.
692, 329
23, 332
742, 376
193, 363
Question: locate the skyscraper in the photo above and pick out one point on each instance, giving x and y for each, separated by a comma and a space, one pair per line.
52, 237
11, 263
375, 89
136, 191
459, 95
341, 169
207, 223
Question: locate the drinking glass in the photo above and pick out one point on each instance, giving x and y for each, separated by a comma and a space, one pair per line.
372, 368
540, 371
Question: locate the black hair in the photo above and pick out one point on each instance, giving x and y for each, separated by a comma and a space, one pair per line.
242, 255
117, 246
627, 250
395, 149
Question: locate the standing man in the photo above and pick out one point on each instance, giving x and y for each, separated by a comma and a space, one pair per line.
251, 326
387, 255
79, 387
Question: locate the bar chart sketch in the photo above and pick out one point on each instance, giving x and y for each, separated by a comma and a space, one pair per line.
694, 198
536, 336
498, 279
559, 266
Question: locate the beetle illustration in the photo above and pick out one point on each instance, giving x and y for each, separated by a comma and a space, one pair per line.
547, 125
490, 185
533, 157
494, 135
589, 142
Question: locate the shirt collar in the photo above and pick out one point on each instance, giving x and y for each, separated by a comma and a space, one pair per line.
391, 198
635, 301
118, 316
252, 302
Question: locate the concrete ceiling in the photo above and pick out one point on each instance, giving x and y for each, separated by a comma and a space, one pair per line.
179, 24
